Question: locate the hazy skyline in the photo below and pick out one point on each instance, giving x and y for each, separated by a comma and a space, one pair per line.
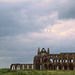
26, 25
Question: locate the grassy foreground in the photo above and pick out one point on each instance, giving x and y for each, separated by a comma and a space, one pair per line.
36, 72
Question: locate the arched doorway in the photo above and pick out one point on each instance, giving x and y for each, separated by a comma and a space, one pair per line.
50, 66
59, 66
71, 66
23, 67
45, 66
54, 67
18, 67
32, 66
65, 67
40, 67
45, 60
13, 67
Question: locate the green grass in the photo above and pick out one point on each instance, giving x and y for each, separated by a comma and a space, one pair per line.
36, 72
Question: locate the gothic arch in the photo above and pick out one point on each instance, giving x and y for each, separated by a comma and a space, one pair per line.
45, 60
65, 66
50, 66
18, 67
43, 50
45, 66
13, 67
70, 66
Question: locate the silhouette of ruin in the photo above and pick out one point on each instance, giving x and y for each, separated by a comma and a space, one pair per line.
46, 61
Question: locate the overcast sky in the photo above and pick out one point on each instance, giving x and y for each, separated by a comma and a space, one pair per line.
26, 25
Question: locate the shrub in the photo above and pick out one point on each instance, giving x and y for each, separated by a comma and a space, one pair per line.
4, 70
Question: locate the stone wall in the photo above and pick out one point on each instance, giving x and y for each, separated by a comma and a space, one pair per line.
21, 66
46, 61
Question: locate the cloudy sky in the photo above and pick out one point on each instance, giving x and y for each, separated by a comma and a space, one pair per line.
26, 25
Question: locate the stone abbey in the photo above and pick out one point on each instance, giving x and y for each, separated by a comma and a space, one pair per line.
46, 61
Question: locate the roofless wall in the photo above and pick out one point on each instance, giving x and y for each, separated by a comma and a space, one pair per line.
46, 61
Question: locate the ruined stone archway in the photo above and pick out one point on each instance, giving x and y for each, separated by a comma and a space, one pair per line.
23, 67
59, 66
18, 67
64, 66
13, 67
45, 60
54, 67
45, 66
70, 66
50, 66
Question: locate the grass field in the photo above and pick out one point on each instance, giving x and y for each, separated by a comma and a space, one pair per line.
36, 72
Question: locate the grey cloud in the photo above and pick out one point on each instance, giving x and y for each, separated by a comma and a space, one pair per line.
22, 18
12, 21
67, 10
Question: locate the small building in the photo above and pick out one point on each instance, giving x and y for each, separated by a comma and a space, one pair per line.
46, 61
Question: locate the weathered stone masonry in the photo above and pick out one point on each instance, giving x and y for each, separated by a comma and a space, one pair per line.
21, 66
46, 61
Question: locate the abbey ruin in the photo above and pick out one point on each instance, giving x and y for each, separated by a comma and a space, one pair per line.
46, 61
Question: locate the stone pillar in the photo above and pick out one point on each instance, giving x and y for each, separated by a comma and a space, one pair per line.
61, 59
64, 60
30, 66
39, 54
15, 67
42, 66
25, 66
48, 50
61, 67
53, 60
20, 67
38, 51
73, 66
61, 62
56, 61
47, 66
55, 67
11, 66
67, 62
73, 61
